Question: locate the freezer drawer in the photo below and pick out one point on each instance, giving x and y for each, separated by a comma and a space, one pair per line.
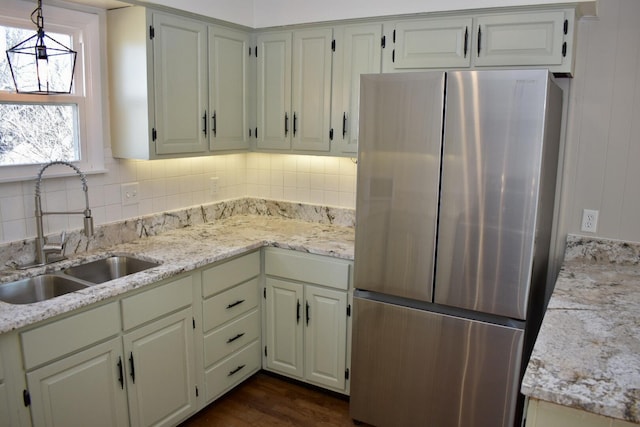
418, 368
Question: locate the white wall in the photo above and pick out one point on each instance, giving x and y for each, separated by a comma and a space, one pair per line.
602, 167
282, 12
236, 11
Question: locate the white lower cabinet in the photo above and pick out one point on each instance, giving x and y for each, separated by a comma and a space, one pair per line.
231, 323
307, 316
128, 362
83, 389
160, 370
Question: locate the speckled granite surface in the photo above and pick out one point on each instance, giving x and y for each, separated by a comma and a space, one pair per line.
587, 355
190, 245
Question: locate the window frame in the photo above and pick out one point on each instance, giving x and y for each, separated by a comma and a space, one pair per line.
87, 29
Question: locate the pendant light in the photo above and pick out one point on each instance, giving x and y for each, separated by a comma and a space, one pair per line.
41, 64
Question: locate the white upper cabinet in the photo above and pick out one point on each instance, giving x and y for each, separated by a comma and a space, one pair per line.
524, 39
228, 96
180, 84
521, 39
358, 51
311, 91
433, 43
294, 90
274, 91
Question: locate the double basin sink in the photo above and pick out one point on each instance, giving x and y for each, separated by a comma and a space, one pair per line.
51, 285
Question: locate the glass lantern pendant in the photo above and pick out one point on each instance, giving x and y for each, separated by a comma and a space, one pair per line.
41, 64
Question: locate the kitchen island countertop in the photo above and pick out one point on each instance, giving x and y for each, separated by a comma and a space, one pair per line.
587, 354
181, 250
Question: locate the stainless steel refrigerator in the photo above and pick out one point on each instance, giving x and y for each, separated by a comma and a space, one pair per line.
456, 184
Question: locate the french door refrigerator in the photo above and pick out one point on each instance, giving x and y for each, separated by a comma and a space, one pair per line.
455, 199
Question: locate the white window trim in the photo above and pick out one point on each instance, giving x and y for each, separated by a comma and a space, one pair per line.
88, 29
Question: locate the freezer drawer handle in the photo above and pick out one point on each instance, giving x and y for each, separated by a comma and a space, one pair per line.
230, 340
236, 370
233, 304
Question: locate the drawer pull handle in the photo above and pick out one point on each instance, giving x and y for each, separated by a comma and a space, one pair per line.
236, 370
230, 340
233, 304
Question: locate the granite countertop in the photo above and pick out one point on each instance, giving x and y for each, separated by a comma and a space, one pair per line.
587, 354
181, 250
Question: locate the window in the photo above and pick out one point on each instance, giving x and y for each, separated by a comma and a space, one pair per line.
35, 129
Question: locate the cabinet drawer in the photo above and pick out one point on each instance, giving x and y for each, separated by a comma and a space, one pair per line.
229, 304
157, 302
232, 371
67, 335
224, 341
307, 268
217, 279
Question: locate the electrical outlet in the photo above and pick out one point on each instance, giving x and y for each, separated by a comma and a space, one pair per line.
589, 220
129, 193
213, 186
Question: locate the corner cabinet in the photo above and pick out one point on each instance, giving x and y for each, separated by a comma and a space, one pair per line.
523, 39
178, 86
307, 317
294, 90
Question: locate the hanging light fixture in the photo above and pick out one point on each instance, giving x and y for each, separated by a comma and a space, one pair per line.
41, 68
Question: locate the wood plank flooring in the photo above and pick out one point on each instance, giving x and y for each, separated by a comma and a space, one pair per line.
267, 400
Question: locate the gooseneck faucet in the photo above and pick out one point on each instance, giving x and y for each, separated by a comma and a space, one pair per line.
49, 252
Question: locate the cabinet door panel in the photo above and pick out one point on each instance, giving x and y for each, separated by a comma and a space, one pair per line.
433, 43
311, 101
284, 327
520, 39
358, 51
161, 383
180, 71
228, 53
274, 91
80, 390
325, 336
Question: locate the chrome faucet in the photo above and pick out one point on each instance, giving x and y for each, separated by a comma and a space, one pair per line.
50, 252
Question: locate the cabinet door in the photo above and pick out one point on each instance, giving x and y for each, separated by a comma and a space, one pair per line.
85, 389
358, 51
180, 70
325, 336
284, 327
5, 418
520, 39
160, 371
228, 53
432, 43
274, 91
311, 102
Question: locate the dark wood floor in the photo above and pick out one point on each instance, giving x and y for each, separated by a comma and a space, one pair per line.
266, 400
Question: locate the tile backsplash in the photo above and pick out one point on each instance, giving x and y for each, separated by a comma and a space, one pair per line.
178, 183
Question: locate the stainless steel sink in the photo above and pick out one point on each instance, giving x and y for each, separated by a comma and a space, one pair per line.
39, 288
106, 269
